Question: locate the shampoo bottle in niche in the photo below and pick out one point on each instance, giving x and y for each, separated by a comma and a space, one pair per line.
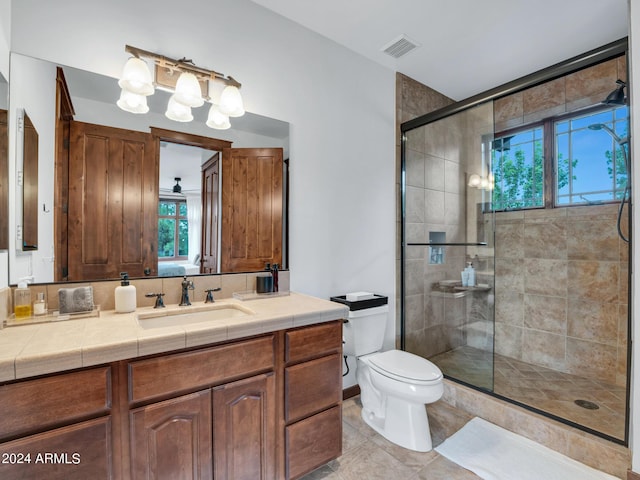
22, 301
471, 281
125, 295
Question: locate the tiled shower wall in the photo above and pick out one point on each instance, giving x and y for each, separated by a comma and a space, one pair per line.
561, 274
439, 158
562, 290
413, 99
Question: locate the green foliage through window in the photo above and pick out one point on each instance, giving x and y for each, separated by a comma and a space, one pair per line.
173, 229
586, 165
518, 170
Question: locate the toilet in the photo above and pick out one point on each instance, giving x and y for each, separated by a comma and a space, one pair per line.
394, 385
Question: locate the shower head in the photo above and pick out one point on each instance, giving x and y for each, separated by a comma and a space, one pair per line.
602, 126
617, 96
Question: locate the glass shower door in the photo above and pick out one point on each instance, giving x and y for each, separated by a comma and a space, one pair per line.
448, 225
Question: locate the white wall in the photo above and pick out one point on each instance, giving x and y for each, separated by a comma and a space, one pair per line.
5, 35
37, 98
339, 104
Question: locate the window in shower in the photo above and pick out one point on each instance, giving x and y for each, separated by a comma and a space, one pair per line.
591, 157
518, 170
587, 166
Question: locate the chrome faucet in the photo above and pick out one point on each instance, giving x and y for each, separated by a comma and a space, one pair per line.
186, 286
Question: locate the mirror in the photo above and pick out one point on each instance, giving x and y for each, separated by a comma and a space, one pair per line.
29, 184
93, 98
4, 166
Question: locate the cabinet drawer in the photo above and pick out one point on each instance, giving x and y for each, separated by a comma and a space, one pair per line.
79, 451
312, 386
308, 342
52, 401
313, 442
182, 372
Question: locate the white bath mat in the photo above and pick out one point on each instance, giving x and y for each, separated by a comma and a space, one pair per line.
493, 453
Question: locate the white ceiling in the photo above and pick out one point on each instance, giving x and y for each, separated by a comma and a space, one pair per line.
467, 46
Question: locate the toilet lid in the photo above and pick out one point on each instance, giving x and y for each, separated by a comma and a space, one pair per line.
403, 365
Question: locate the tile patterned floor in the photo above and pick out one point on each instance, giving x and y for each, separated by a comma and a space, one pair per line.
367, 455
539, 387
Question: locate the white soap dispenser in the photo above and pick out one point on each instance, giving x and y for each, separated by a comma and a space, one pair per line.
125, 295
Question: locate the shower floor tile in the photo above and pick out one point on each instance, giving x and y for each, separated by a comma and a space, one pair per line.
539, 387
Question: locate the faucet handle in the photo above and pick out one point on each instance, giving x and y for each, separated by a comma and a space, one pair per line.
209, 293
159, 301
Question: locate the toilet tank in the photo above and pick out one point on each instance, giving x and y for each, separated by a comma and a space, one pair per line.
364, 331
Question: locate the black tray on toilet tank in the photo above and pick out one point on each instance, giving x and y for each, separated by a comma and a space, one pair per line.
377, 301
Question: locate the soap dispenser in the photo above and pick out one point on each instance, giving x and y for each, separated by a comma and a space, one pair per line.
125, 295
22, 301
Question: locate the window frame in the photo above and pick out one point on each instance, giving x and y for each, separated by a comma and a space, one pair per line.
549, 160
176, 234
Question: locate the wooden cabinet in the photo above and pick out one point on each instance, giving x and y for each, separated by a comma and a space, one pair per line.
244, 429
312, 397
261, 408
78, 451
172, 439
57, 427
227, 430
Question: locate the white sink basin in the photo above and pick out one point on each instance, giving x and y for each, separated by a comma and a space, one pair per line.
191, 315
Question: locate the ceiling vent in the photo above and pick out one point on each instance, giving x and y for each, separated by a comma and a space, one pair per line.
399, 46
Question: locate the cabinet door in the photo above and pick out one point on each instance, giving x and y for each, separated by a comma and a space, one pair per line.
79, 451
244, 429
172, 439
312, 442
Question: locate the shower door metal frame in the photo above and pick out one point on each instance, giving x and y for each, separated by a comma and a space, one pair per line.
579, 62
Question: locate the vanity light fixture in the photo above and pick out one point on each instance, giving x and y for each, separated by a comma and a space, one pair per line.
188, 82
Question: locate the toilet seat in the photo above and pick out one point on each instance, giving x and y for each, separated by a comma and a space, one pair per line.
405, 367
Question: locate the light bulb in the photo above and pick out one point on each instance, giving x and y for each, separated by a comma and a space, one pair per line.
231, 102
136, 77
177, 111
216, 119
188, 90
132, 102
474, 180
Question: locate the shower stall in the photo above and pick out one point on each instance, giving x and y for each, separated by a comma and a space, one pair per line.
528, 184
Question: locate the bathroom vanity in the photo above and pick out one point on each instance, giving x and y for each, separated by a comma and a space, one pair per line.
252, 406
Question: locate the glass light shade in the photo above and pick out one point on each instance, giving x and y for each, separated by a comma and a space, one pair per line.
132, 102
217, 119
136, 77
188, 90
177, 111
231, 102
474, 180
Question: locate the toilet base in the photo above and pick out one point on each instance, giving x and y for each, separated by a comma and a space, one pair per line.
405, 424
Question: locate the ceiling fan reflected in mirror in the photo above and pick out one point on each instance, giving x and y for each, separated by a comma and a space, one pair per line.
177, 188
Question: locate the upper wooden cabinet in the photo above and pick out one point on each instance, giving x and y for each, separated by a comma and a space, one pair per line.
113, 202
251, 210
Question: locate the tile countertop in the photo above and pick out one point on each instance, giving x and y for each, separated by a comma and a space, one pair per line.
37, 349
